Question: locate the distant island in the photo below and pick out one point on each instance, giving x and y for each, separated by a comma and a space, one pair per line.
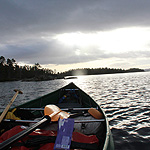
11, 71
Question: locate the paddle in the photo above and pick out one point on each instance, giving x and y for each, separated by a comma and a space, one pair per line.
51, 112
95, 113
9, 104
92, 111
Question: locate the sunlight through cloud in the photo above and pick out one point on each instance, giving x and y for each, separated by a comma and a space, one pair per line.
77, 52
119, 40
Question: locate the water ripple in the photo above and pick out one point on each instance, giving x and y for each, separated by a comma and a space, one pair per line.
124, 97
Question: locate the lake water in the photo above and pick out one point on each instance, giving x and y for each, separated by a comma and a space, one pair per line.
124, 97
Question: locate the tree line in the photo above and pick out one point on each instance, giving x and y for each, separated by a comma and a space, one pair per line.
11, 71
96, 71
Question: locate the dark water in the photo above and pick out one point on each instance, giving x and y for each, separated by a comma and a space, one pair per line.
124, 97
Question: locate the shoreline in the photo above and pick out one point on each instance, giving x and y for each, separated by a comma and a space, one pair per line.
56, 77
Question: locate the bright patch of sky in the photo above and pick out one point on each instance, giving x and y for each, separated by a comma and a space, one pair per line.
119, 40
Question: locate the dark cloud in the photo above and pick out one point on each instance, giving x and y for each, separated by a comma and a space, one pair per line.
58, 16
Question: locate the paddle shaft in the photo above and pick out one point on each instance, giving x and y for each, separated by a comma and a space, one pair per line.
10, 141
6, 144
9, 104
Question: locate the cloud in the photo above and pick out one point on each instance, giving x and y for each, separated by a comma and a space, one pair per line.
23, 23
53, 52
28, 16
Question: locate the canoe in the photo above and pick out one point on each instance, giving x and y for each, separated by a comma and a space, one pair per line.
88, 132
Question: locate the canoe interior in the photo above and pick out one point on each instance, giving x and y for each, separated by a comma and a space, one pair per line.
54, 97
75, 97
69, 96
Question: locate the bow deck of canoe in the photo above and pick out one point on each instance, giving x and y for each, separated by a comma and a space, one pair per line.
89, 132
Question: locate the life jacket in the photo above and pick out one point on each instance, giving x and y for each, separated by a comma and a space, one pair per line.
78, 139
11, 115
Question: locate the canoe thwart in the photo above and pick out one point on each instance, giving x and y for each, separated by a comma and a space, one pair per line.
63, 109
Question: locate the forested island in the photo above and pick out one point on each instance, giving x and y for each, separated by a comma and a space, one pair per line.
11, 71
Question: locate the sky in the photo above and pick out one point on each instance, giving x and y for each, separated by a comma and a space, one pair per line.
70, 34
